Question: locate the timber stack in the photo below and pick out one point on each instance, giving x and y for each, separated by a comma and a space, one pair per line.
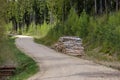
70, 45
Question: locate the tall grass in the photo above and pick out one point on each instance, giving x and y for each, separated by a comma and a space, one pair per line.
38, 30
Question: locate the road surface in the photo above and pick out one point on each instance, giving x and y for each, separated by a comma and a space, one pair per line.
57, 66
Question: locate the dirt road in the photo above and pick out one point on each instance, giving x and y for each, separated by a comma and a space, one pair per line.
57, 66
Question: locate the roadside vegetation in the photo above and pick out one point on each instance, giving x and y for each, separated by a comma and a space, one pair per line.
97, 22
26, 66
9, 54
101, 34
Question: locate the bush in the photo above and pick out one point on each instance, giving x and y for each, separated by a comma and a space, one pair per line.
72, 23
100, 31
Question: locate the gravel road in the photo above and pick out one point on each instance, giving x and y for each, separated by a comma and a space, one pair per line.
57, 66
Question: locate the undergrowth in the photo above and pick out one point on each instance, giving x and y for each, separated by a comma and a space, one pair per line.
101, 32
11, 56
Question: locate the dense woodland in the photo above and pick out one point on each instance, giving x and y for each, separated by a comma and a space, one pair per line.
24, 12
97, 22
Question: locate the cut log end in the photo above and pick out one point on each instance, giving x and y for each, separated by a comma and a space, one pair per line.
70, 45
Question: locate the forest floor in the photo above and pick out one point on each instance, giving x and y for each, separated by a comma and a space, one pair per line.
57, 66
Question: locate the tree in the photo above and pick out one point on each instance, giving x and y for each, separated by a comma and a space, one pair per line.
24, 12
106, 7
101, 6
95, 1
117, 5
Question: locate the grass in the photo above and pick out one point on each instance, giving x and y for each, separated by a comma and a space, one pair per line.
102, 58
45, 41
26, 66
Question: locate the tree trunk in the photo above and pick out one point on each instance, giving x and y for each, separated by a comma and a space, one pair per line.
51, 17
71, 3
111, 6
117, 5
101, 6
106, 7
95, 1
84, 5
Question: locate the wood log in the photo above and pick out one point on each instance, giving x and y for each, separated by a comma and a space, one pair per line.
69, 45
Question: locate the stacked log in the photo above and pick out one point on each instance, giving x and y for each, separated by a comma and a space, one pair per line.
69, 45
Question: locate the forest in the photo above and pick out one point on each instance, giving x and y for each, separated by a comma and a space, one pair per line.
97, 22
24, 12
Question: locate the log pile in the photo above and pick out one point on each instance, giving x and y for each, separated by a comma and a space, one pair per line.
69, 45
6, 72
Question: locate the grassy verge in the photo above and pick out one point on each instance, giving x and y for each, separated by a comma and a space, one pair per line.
26, 66
102, 58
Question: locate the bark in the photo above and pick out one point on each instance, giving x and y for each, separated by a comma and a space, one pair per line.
20, 27
14, 25
111, 4
117, 5
95, 1
101, 6
51, 18
85, 5
106, 7
71, 3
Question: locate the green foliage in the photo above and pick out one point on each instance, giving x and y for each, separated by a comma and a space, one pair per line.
2, 33
52, 35
76, 25
12, 56
83, 24
73, 26
6, 56
102, 31
69, 19
72, 23
3, 50
23, 12
43, 29
2, 19
38, 30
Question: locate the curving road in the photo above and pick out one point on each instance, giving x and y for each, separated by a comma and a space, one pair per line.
56, 66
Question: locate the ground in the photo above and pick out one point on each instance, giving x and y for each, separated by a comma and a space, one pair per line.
57, 66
